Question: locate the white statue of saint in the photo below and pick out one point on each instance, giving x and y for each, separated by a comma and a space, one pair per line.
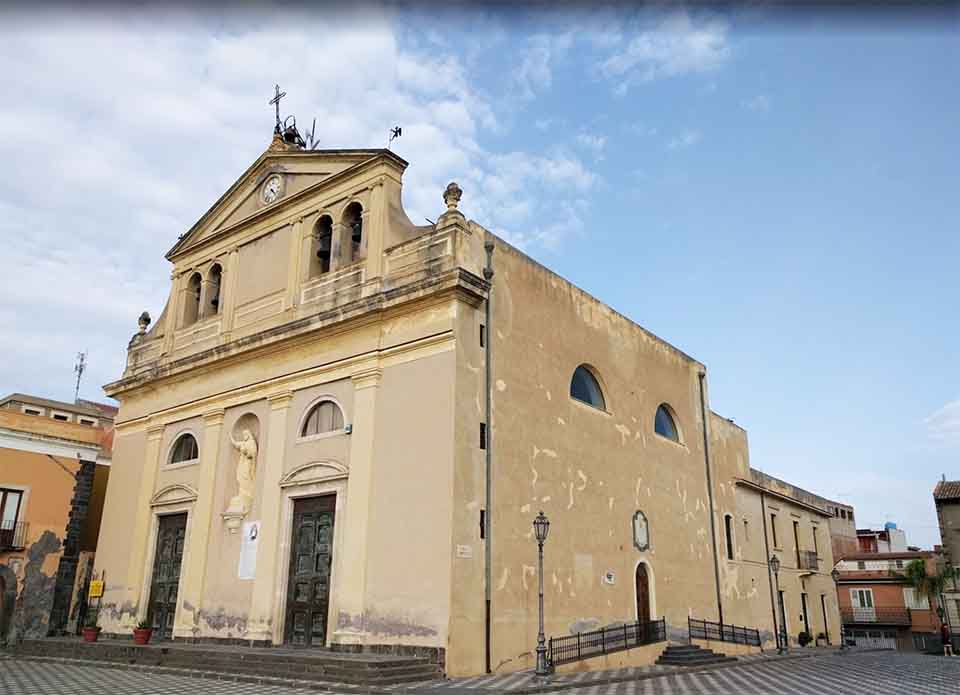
246, 468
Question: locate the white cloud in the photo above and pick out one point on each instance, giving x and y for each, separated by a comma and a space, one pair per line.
593, 143
678, 45
136, 124
758, 103
535, 72
943, 425
687, 138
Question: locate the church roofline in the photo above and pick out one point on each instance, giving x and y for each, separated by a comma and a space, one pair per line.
370, 154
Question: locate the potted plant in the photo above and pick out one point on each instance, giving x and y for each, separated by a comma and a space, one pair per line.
821, 639
91, 631
804, 638
142, 632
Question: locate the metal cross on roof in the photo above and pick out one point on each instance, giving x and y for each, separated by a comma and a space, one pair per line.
278, 95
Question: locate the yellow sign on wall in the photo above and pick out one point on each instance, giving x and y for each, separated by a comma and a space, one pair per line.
96, 588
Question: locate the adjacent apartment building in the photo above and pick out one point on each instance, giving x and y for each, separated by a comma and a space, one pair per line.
342, 424
54, 466
946, 498
878, 605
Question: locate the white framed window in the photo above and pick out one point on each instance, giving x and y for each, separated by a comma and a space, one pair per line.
27, 410
324, 417
89, 421
60, 416
185, 450
911, 599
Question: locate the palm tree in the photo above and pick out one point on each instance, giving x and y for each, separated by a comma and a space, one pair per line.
930, 585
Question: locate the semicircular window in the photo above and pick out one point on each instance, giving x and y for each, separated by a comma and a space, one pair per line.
325, 416
664, 425
584, 387
185, 449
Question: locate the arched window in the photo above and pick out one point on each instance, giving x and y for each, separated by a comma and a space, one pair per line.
664, 425
323, 238
584, 387
353, 221
325, 416
191, 309
185, 449
213, 289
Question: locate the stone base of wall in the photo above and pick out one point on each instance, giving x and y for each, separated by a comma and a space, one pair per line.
436, 655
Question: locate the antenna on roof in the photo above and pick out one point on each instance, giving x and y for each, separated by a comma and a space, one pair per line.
311, 136
78, 370
395, 132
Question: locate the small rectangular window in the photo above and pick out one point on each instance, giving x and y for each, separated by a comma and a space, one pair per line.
728, 524
483, 524
61, 418
483, 335
87, 421
483, 435
31, 411
816, 545
861, 565
773, 530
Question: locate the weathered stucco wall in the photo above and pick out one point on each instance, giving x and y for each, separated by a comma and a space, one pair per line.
588, 469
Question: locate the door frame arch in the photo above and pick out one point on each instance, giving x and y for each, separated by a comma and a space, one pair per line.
651, 589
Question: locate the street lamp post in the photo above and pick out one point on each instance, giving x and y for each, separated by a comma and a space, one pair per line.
775, 568
835, 574
541, 526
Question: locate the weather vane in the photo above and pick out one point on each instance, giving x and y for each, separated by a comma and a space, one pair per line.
395, 132
278, 95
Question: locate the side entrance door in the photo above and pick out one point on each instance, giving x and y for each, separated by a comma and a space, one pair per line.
311, 556
166, 574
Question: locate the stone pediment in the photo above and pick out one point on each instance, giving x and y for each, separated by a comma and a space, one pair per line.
174, 494
273, 181
315, 472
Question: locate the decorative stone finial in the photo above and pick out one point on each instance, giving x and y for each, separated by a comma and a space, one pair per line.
451, 196
143, 322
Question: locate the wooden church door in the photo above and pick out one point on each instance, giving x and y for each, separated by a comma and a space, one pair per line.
165, 580
311, 556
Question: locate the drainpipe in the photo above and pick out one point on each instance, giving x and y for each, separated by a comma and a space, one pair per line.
713, 523
488, 472
766, 555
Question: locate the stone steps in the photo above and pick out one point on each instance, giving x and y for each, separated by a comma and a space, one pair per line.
691, 655
296, 664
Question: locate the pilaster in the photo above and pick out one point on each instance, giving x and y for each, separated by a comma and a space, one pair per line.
261, 621
141, 524
374, 231
228, 293
172, 319
195, 570
339, 243
352, 584
293, 265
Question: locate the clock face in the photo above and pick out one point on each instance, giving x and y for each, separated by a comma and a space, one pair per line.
271, 189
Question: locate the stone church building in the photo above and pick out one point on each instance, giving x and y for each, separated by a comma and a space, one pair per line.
340, 428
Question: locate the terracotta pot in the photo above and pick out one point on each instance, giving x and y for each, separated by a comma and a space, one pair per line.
90, 634
142, 635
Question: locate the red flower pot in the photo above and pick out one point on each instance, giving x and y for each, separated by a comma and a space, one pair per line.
90, 634
142, 635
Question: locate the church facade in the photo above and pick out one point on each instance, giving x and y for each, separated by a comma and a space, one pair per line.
340, 428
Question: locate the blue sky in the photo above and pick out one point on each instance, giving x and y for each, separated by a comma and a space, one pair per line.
776, 197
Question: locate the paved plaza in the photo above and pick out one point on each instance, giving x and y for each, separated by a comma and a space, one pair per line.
853, 674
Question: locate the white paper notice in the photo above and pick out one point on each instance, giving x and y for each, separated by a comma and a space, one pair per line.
247, 567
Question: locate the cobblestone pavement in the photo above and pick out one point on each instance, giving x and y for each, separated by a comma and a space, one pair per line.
854, 674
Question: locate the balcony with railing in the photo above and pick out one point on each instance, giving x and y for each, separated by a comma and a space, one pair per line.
13, 535
875, 616
808, 560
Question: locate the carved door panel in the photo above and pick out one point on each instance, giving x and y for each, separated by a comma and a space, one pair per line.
165, 580
643, 594
311, 556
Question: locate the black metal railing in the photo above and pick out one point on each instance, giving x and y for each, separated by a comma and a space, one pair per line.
722, 632
13, 535
606, 640
875, 616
